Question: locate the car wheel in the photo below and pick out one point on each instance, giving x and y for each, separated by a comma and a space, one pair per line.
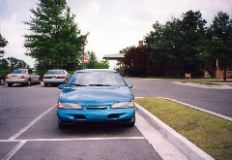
131, 124
9, 84
28, 82
45, 84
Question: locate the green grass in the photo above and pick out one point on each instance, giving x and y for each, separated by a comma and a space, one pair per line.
209, 82
210, 133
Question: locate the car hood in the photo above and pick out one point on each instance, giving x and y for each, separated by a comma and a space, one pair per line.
95, 95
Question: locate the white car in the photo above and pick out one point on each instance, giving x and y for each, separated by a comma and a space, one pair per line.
22, 76
55, 76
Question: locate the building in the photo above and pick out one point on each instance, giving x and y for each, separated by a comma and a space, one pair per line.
219, 72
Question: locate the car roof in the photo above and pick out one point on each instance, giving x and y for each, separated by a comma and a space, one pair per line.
96, 70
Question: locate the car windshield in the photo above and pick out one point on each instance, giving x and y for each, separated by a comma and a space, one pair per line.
19, 71
55, 72
96, 79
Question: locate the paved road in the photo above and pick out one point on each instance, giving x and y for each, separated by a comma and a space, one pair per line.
41, 139
216, 100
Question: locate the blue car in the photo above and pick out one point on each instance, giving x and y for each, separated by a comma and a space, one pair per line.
93, 95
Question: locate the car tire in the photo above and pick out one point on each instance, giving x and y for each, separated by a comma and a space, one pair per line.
45, 84
131, 124
9, 84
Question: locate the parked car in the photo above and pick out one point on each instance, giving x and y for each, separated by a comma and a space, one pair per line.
55, 76
95, 96
2, 79
22, 76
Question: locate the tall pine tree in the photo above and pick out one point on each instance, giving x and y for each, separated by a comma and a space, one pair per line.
54, 40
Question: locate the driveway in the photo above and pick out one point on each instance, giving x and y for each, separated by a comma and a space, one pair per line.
216, 100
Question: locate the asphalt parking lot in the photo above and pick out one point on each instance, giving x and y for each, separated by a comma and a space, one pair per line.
28, 130
28, 123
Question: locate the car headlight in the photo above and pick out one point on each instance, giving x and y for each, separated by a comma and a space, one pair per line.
123, 105
69, 105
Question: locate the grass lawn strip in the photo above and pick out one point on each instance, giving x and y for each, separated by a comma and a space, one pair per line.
210, 133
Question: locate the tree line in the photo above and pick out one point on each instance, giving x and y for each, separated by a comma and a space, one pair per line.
182, 45
11, 63
94, 63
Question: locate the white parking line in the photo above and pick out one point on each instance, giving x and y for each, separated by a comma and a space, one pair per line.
12, 152
72, 139
30, 124
23, 141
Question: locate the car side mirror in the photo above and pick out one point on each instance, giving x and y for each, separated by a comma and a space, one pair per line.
61, 86
130, 85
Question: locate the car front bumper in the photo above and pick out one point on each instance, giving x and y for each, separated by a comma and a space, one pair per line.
74, 116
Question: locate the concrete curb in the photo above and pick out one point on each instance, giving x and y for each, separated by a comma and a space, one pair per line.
190, 150
198, 108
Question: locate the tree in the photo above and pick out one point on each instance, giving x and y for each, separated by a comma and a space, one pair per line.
94, 63
92, 60
9, 64
54, 39
136, 61
3, 44
124, 50
177, 42
218, 44
14, 63
102, 64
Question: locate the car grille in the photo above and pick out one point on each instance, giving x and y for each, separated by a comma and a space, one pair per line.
96, 107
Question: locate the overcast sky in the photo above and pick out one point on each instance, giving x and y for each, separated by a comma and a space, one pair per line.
112, 24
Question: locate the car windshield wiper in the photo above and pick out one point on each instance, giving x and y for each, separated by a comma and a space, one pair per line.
99, 85
81, 85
